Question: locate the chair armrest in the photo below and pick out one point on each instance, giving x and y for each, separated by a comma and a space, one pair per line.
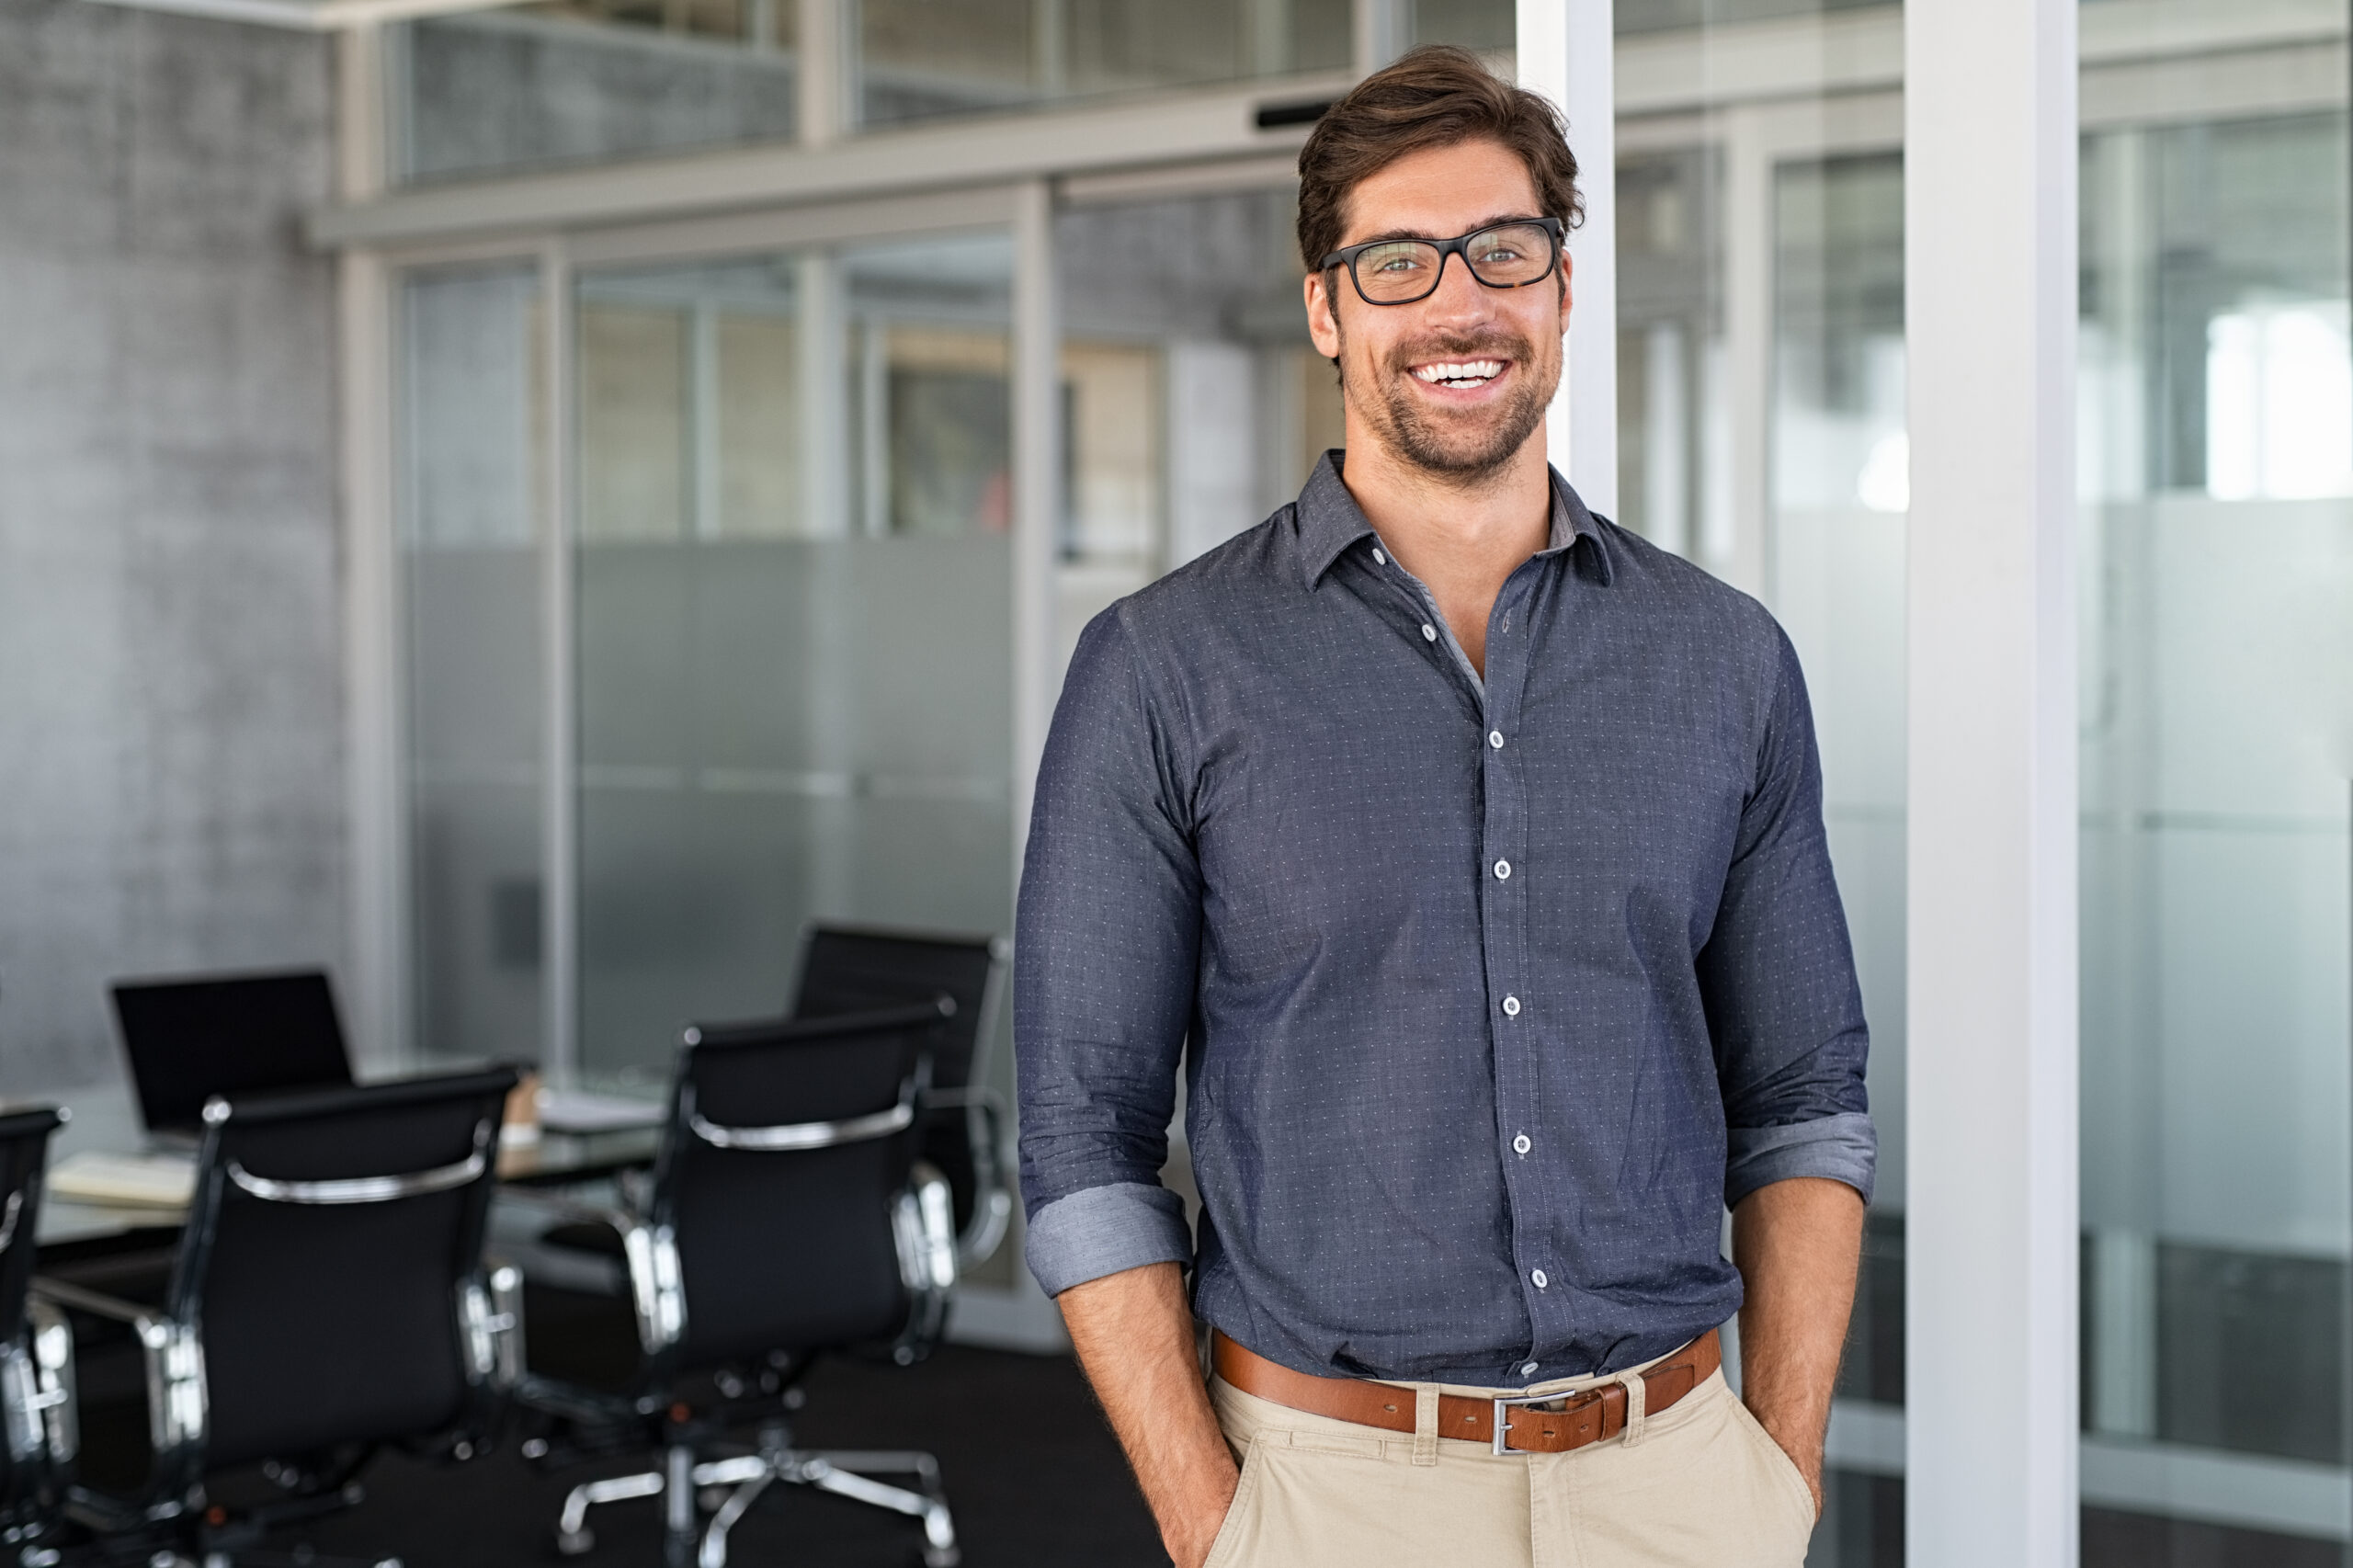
177, 1409
490, 1308
81, 1298
991, 1198
656, 1283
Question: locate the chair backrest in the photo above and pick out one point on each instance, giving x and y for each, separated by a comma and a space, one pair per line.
331, 1236
789, 1146
849, 968
856, 969
28, 1462
24, 1155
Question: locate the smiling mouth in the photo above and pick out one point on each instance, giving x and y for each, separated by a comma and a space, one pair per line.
1460, 374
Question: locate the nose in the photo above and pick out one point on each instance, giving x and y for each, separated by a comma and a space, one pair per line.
1459, 298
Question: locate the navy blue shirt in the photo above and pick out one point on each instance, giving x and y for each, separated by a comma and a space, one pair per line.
1497, 991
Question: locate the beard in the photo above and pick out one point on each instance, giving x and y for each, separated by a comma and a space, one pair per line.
1460, 448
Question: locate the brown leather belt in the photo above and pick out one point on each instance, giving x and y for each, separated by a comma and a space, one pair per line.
1510, 1426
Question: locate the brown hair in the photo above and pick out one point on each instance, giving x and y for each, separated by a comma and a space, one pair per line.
1435, 95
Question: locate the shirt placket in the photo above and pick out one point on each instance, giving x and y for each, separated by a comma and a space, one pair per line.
1514, 1000
1513, 1026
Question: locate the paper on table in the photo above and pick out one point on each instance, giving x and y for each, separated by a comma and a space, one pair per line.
146, 1181
578, 1110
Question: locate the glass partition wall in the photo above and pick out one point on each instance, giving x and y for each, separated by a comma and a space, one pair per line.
2216, 572
794, 623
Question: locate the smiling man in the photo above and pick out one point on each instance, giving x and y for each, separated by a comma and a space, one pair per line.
1475, 847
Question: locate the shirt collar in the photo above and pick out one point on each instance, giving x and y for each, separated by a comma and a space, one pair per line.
1330, 521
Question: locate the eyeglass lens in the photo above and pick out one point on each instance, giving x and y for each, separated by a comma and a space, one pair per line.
1503, 257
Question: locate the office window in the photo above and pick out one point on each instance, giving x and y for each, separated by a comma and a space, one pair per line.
929, 59
587, 81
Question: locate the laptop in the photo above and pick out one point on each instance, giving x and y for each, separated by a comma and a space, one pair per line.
189, 1039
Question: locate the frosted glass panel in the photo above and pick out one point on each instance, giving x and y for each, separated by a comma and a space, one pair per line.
470, 408
795, 625
2216, 399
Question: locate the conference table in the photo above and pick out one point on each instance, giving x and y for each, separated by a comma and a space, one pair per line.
105, 1119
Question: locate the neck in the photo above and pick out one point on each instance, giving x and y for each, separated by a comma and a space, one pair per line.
1463, 537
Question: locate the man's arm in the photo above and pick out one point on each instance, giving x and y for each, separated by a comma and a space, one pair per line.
1797, 1245
1133, 1331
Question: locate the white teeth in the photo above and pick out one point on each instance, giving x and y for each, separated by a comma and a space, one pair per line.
1460, 372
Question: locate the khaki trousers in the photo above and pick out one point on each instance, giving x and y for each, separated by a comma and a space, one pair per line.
1700, 1485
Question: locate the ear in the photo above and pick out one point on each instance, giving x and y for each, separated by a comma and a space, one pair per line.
1321, 326
1567, 294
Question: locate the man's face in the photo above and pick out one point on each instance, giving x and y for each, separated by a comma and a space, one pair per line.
1456, 383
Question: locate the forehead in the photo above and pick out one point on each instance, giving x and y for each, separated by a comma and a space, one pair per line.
1440, 191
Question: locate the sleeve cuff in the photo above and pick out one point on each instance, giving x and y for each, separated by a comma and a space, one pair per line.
1842, 1148
1103, 1230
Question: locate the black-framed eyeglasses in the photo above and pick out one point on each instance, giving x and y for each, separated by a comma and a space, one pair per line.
1501, 255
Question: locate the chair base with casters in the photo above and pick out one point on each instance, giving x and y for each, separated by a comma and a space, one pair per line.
786, 1218
726, 1488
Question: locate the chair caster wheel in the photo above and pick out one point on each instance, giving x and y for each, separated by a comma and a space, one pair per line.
573, 1543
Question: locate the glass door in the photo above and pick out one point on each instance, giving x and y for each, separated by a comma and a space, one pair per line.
2216, 571
794, 620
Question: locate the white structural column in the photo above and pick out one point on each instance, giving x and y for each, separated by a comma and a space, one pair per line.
1990, 133
1566, 52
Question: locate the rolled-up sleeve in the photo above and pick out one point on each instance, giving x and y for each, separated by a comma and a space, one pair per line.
1106, 944
1777, 975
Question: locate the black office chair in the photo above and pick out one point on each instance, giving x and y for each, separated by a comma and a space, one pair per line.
37, 1413
788, 1216
848, 969
328, 1297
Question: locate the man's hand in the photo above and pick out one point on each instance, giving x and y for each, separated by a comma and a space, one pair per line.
1797, 1245
1134, 1332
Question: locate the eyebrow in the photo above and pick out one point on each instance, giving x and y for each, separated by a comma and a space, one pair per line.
1483, 225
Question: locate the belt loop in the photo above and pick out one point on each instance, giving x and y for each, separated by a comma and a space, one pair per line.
1425, 1424
1637, 1388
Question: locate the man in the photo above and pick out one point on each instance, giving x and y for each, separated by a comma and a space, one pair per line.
1475, 845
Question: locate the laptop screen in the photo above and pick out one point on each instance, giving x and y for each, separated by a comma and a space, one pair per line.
189, 1039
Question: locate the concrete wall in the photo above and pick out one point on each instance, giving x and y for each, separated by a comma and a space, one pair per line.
170, 682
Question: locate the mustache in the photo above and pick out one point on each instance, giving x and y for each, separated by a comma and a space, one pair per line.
1471, 346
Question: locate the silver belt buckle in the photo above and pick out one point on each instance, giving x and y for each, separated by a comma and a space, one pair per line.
1522, 1401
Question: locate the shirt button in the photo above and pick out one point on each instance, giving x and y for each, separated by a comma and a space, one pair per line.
1527, 1368
1520, 1145
1542, 1278
1378, 559
1495, 739
1511, 1007
1502, 871
1429, 633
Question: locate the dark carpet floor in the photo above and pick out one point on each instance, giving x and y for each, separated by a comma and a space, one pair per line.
1032, 1473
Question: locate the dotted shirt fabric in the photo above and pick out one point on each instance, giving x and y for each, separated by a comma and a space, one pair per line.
1482, 1038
